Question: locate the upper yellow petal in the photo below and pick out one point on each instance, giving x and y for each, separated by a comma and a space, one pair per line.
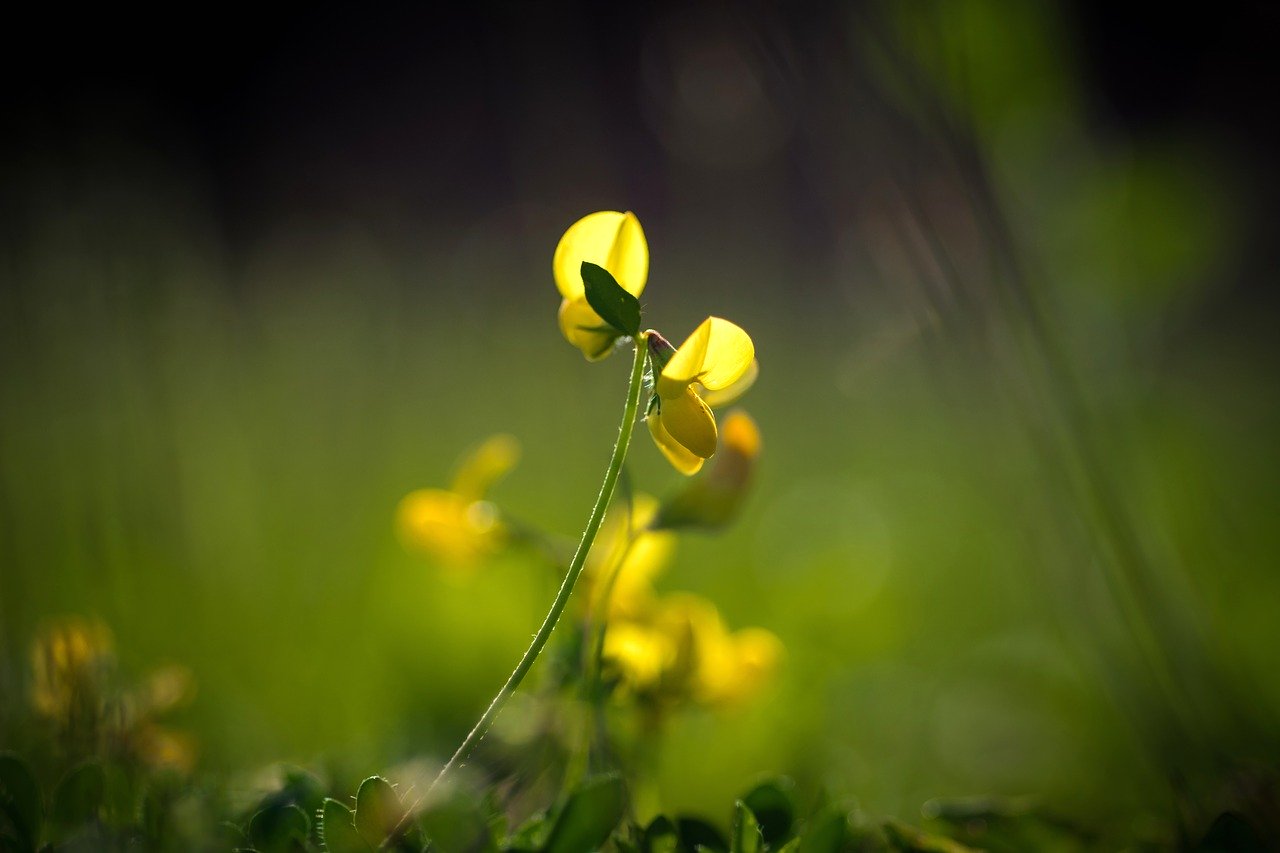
609, 239
689, 421
730, 393
717, 354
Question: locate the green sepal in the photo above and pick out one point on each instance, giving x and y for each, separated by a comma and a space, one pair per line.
606, 297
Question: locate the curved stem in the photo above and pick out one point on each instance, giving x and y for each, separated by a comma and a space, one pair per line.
570, 578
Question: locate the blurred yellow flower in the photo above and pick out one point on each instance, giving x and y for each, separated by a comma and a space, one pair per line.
718, 358
73, 687
633, 554
683, 653
608, 239
70, 659
457, 526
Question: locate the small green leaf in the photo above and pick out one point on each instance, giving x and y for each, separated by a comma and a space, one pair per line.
660, 836
589, 816
606, 297
378, 810
280, 827
746, 831
77, 799
774, 807
695, 832
338, 829
21, 811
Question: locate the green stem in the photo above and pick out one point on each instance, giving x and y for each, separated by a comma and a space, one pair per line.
570, 578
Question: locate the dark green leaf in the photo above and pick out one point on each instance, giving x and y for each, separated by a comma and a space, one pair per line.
606, 297
773, 804
77, 799
589, 816
21, 811
695, 832
338, 829
660, 836
746, 836
1231, 833
378, 810
279, 828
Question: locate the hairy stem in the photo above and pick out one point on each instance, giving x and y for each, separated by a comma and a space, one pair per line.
566, 587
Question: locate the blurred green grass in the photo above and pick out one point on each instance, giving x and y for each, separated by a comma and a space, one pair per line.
211, 466
206, 448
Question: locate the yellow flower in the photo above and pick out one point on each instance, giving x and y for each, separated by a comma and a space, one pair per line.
637, 554
683, 653
639, 655
457, 526
723, 668
719, 358
70, 661
608, 239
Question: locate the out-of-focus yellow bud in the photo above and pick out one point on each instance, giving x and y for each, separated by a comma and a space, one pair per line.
714, 499
458, 527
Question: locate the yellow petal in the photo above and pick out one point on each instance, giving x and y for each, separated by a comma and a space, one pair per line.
486, 465
579, 324
717, 354
610, 239
729, 394
683, 461
689, 421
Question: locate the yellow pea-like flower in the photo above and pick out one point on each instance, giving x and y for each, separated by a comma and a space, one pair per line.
456, 525
608, 239
717, 359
